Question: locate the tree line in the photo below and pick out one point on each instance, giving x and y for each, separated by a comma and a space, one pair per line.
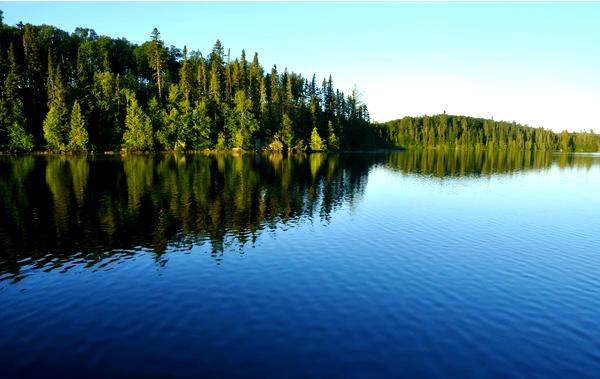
74, 92
447, 131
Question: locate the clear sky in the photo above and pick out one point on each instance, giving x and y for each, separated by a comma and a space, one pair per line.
535, 63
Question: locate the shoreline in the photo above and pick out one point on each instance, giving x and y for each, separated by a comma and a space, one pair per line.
192, 152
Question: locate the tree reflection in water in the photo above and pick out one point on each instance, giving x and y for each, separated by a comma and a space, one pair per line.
58, 211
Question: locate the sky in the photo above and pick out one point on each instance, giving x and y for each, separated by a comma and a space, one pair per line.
533, 63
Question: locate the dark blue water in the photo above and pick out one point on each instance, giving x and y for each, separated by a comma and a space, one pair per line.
356, 266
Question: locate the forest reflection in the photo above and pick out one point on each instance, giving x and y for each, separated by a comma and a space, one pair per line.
59, 207
58, 210
442, 163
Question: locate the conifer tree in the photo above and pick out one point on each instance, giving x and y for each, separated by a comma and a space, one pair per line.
18, 137
215, 85
255, 78
157, 59
185, 76
202, 78
175, 117
216, 72
138, 134
287, 131
201, 125
333, 142
274, 90
316, 143
78, 135
55, 125
34, 77
242, 124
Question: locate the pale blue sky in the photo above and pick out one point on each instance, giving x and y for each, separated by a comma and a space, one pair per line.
535, 63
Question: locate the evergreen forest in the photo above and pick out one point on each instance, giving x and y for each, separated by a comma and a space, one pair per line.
462, 132
78, 92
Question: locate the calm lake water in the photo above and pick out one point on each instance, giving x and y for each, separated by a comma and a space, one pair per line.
357, 266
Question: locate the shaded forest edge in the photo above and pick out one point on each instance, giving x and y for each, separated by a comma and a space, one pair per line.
79, 92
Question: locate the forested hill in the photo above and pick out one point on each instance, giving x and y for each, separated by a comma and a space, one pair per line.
468, 132
79, 91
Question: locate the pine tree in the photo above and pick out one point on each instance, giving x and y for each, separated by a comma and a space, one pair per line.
255, 79
316, 143
215, 84
34, 78
243, 75
242, 124
105, 122
55, 125
332, 141
157, 59
201, 125
185, 76
138, 135
170, 134
78, 135
202, 78
287, 131
274, 90
18, 137
289, 95
216, 72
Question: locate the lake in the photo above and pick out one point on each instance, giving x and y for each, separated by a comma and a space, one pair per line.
367, 265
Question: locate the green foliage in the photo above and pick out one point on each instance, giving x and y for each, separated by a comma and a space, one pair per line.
586, 142
461, 132
156, 59
287, 131
299, 147
169, 135
566, 143
276, 146
332, 141
316, 143
201, 126
19, 139
196, 101
12, 109
240, 122
221, 142
78, 135
138, 134
56, 125
105, 120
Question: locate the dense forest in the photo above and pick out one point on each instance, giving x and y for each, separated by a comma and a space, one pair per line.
77, 92
80, 92
448, 131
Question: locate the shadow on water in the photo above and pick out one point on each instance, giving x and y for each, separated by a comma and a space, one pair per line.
59, 210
